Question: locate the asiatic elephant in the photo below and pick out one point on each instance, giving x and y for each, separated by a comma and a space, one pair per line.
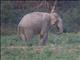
38, 23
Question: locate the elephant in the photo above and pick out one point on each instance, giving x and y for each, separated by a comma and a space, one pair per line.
38, 23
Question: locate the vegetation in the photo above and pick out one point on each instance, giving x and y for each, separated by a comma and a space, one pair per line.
60, 47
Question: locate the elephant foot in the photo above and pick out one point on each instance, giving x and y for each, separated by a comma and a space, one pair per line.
42, 44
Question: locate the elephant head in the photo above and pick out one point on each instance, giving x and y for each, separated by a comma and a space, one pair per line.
57, 21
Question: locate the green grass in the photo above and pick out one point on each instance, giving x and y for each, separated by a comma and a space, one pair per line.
60, 47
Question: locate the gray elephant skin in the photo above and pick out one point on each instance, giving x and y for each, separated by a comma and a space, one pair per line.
38, 23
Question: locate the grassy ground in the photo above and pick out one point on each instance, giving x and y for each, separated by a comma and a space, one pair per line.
60, 47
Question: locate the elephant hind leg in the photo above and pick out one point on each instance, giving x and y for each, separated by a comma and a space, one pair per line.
25, 34
22, 37
28, 34
21, 33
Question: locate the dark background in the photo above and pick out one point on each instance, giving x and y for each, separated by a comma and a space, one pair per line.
13, 11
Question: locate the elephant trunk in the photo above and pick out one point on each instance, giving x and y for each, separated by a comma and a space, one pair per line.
60, 26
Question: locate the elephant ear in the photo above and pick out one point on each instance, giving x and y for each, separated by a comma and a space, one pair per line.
54, 18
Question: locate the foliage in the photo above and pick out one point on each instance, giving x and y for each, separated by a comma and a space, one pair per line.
13, 11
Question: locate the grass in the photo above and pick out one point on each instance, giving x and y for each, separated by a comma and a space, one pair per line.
60, 47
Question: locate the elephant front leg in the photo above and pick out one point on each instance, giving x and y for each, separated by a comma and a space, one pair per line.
44, 33
43, 39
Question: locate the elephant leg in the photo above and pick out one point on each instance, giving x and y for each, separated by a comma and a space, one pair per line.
21, 33
28, 35
22, 37
44, 33
43, 39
